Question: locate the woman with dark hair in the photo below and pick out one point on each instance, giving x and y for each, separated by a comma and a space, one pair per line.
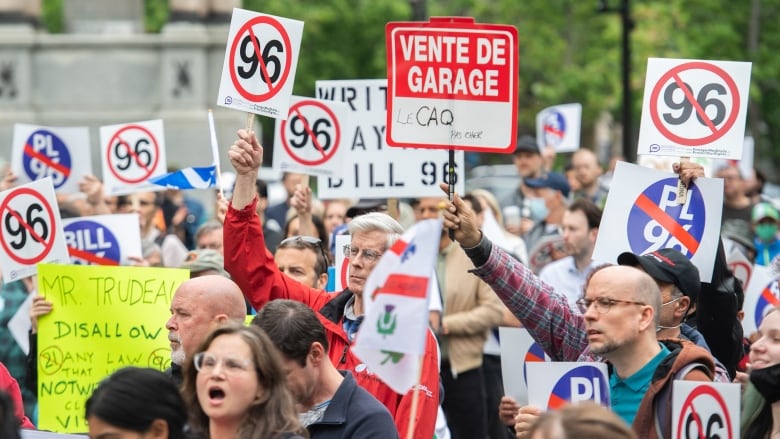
134, 400
761, 399
235, 388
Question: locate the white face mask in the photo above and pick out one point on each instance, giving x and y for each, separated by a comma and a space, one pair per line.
538, 208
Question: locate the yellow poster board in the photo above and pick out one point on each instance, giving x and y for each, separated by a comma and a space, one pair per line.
103, 318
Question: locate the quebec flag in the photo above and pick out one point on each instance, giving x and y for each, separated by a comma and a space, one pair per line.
188, 178
391, 339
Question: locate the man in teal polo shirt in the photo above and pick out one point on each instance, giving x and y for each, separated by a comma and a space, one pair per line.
621, 307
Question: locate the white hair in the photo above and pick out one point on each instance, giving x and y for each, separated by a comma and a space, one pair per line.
377, 221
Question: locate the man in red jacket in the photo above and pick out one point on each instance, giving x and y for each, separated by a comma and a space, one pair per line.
253, 268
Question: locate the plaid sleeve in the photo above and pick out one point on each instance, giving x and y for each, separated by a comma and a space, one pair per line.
546, 314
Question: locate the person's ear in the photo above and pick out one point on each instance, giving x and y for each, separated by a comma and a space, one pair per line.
158, 429
682, 306
322, 281
317, 354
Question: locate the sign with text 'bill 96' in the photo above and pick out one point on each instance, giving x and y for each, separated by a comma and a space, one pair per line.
103, 239
371, 169
61, 153
452, 84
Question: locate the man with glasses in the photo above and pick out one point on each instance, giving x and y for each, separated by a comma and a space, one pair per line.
254, 270
617, 321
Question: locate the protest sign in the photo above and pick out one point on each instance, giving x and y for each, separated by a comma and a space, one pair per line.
103, 318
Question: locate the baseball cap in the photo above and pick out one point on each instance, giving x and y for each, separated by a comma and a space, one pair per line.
552, 180
205, 259
764, 210
365, 205
527, 143
667, 265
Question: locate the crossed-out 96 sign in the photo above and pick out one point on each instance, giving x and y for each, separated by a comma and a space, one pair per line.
311, 133
259, 63
133, 154
27, 226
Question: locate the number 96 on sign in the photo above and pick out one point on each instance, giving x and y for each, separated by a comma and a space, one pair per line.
388, 174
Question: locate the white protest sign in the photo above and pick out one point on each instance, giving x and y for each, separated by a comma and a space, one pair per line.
452, 84
313, 138
260, 62
517, 349
559, 127
103, 239
761, 295
551, 385
61, 153
642, 216
31, 229
701, 409
694, 108
372, 169
131, 154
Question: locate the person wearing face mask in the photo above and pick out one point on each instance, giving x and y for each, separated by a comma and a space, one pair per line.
547, 198
761, 398
765, 220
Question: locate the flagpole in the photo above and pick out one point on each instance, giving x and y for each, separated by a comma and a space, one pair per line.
415, 401
215, 152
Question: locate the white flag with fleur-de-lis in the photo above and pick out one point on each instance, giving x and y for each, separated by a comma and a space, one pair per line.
391, 338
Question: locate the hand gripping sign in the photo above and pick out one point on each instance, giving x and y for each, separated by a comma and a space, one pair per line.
705, 410
260, 62
312, 140
452, 85
131, 154
551, 385
694, 108
642, 216
103, 239
372, 170
39, 152
30, 229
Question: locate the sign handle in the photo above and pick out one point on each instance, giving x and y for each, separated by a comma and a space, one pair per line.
250, 120
451, 184
682, 189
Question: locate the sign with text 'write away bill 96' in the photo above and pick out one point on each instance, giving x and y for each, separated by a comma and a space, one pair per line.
452, 84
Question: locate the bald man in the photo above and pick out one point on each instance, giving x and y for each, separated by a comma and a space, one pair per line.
199, 306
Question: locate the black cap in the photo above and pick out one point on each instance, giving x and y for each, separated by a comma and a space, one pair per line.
667, 265
527, 143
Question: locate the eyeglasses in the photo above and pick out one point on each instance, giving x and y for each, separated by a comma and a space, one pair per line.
672, 301
310, 242
369, 255
603, 304
206, 363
